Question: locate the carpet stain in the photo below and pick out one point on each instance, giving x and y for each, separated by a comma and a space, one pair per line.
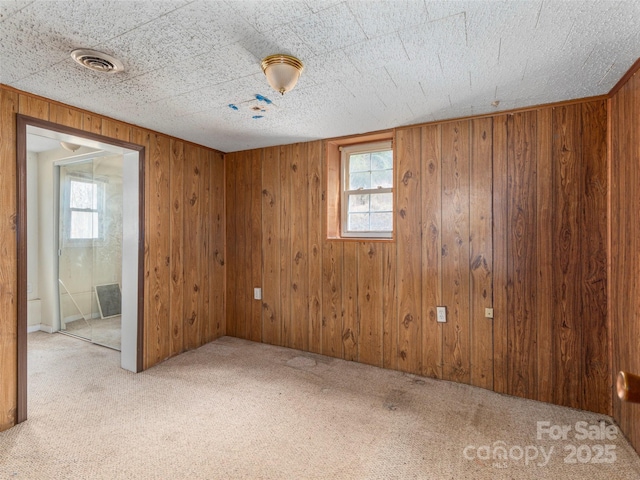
394, 399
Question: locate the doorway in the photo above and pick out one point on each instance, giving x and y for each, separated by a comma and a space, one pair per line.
84, 172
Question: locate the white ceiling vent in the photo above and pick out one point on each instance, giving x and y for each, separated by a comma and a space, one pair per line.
97, 61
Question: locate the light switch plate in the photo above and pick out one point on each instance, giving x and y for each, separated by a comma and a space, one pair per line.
257, 294
442, 314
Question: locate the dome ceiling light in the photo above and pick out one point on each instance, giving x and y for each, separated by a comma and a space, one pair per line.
282, 71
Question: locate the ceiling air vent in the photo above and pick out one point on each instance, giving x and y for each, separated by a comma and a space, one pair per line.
97, 61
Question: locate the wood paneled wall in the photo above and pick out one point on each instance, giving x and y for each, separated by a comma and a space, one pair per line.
506, 212
184, 237
624, 296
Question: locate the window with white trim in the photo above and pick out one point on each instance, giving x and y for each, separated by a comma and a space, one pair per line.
367, 190
83, 210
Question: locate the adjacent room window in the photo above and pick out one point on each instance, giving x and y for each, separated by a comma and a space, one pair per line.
84, 212
367, 190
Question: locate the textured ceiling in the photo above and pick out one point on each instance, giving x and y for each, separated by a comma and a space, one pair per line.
369, 64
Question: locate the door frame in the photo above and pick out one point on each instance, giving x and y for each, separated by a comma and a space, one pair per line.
22, 123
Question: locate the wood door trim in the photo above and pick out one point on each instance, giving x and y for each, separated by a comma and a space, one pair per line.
22, 122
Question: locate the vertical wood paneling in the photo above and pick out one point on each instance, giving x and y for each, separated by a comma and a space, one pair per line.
8, 264
567, 272
64, 115
285, 243
389, 307
409, 245
501, 313
315, 246
522, 233
234, 260
176, 223
158, 340
217, 259
544, 256
370, 304
431, 250
33, 106
115, 129
271, 313
162, 242
350, 319
205, 334
595, 339
624, 256
455, 251
298, 331
481, 253
332, 254
255, 237
93, 123
193, 279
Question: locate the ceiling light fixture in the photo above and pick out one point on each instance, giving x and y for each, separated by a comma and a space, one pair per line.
72, 147
282, 71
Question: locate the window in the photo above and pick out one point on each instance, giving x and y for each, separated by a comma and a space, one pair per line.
84, 210
367, 190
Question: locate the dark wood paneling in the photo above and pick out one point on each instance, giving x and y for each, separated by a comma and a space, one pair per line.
370, 301
271, 313
176, 225
567, 272
315, 245
522, 230
9, 105
624, 289
481, 253
350, 319
455, 252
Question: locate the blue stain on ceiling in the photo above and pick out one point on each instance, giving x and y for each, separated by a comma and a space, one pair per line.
258, 106
261, 98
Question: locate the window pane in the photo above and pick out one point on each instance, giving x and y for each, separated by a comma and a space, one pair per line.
382, 202
382, 222
358, 222
83, 195
382, 160
359, 180
84, 225
360, 162
359, 203
382, 179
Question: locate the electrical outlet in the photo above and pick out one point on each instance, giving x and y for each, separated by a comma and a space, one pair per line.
442, 314
257, 294
488, 312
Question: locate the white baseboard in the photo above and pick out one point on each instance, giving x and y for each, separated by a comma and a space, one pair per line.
40, 328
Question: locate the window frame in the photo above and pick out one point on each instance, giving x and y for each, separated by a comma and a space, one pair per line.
101, 186
346, 151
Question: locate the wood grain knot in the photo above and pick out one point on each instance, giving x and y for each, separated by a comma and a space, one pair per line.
408, 175
445, 250
349, 335
406, 322
431, 168
196, 171
13, 221
298, 257
193, 199
368, 297
294, 167
403, 213
196, 288
192, 319
403, 354
167, 261
176, 205
371, 252
294, 287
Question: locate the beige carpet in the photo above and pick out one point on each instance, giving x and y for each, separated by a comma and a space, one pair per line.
236, 409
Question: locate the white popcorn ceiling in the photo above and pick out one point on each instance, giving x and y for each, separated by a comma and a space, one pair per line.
369, 64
